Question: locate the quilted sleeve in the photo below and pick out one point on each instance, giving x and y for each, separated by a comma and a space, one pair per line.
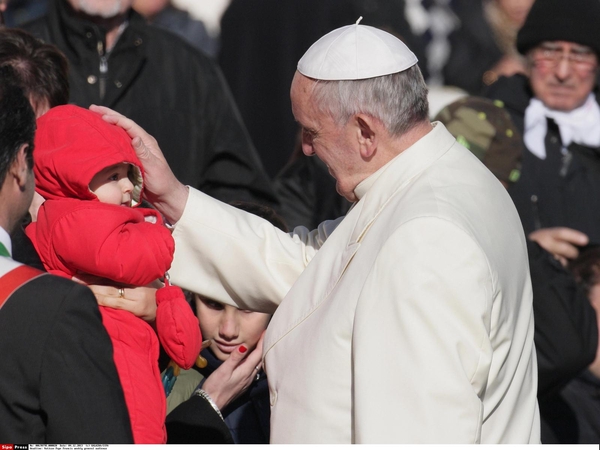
113, 242
177, 326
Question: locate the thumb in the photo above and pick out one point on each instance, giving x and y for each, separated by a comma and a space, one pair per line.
140, 148
237, 356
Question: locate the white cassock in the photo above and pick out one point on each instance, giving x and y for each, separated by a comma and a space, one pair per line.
413, 321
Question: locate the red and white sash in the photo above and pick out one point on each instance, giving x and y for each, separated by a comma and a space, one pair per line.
13, 275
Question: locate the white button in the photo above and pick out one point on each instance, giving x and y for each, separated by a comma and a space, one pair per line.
91, 79
118, 83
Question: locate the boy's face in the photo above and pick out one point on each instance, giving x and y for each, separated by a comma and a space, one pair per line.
112, 185
229, 327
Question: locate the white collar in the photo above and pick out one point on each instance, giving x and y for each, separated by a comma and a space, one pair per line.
582, 125
361, 189
5, 239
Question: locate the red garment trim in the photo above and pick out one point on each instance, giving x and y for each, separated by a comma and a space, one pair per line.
14, 279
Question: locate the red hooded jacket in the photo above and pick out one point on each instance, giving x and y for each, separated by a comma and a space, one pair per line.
76, 233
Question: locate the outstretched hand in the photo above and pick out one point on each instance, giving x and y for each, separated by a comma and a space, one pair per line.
234, 376
161, 187
562, 242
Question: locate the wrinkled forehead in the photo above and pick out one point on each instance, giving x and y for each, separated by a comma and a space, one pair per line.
301, 93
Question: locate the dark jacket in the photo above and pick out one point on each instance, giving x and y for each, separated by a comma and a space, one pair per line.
566, 331
58, 383
573, 416
196, 422
248, 416
560, 190
181, 22
170, 89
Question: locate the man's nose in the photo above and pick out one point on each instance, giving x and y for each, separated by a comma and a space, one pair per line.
563, 68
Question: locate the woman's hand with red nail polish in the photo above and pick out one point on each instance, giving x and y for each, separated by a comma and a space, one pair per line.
235, 375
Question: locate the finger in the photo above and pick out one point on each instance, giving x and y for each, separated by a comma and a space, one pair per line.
103, 110
566, 250
107, 291
111, 302
573, 236
259, 349
254, 359
111, 116
141, 150
237, 356
562, 260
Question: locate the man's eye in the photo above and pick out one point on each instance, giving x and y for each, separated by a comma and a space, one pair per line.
308, 134
582, 56
114, 177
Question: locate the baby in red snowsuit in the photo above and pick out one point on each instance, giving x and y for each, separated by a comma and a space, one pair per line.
90, 176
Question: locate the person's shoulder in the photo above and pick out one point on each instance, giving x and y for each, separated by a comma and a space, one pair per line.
51, 295
49, 286
163, 43
38, 27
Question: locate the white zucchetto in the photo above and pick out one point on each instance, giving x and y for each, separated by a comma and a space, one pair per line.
355, 52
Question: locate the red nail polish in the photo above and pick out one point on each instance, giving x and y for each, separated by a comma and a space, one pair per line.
243, 349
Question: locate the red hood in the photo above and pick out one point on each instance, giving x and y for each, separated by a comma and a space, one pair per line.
73, 144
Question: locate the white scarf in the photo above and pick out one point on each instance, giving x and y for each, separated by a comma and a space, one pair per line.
582, 125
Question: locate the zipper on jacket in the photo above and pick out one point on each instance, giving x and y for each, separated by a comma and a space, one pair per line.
103, 69
567, 157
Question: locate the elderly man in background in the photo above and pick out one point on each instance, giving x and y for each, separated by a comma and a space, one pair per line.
556, 109
176, 92
410, 319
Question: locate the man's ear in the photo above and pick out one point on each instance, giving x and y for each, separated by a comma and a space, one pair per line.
20, 169
366, 135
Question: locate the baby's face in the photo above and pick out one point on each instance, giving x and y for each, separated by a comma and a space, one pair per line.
112, 185
229, 327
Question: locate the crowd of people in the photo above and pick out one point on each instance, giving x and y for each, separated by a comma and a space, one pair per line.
275, 235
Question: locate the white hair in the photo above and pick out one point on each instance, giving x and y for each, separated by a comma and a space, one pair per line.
398, 101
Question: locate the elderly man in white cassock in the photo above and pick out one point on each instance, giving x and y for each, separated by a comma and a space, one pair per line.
409, 320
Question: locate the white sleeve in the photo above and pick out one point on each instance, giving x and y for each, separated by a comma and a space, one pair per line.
237, 258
